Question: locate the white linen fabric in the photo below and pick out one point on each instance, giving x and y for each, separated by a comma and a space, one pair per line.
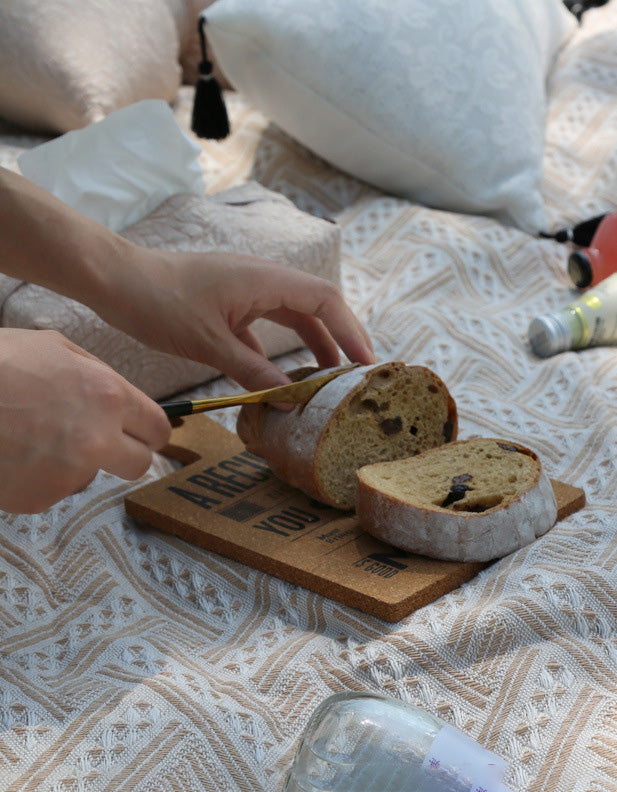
437, 101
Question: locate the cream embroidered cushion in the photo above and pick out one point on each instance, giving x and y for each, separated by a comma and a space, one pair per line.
67, 63
439, 101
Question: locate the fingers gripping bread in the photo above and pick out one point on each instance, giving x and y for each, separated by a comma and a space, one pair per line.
371, 413
473, 500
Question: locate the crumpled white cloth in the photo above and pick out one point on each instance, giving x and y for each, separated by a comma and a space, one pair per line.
117, 170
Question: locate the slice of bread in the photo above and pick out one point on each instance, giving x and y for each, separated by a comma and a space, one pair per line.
368, 414
473, 500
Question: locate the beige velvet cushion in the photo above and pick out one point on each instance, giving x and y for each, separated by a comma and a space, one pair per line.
247, 219
67, 63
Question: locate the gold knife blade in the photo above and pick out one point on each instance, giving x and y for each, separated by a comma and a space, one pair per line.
295, 393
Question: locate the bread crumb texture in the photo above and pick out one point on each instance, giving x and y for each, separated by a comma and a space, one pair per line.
475, 476
472, 500
397, 411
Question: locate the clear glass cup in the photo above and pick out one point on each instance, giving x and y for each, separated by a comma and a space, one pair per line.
358, 742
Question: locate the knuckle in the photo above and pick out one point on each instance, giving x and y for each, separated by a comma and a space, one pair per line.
53, 336
333, 289
331, 295
88, 444
110, 393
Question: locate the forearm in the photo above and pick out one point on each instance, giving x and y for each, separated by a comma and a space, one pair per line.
44, 241
198, 305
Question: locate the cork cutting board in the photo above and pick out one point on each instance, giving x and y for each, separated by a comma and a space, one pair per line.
228, 501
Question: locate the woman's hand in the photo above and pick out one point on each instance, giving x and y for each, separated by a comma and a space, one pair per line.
201, 306
64, 415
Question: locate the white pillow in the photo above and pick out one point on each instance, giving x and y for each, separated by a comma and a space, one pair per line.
438, 101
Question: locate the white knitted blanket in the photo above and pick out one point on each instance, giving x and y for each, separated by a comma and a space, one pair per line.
134, 662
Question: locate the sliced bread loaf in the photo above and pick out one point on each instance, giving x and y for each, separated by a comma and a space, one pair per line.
473, 500
370, 413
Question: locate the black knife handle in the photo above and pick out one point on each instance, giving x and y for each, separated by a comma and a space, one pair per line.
176, 409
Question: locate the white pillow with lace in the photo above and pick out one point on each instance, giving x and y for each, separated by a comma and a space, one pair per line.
438, 101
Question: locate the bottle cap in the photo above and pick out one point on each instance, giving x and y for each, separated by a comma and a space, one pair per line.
579, 269
550, 334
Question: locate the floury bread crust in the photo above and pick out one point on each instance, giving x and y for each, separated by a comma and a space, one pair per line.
370, 413
473, 500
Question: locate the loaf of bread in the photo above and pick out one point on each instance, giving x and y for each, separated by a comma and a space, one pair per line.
473, 500
370, 413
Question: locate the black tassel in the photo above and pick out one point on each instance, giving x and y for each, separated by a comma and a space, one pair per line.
210, 118
580, 235
578, 7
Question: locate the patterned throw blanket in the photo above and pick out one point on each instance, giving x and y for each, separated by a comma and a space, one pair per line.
134, 662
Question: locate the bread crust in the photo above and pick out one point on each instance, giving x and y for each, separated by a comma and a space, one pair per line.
458, 535
291, 442
249, 425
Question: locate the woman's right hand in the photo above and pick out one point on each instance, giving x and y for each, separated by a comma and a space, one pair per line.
65, 415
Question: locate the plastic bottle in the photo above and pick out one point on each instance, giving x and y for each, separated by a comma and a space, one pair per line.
358, 742
592, 264
591, 320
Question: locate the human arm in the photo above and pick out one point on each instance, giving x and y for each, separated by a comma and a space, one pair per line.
63, 413
196, 305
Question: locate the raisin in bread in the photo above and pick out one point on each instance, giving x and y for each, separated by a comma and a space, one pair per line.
368, 414
473, 500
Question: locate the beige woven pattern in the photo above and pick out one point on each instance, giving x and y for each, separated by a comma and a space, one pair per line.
134, 662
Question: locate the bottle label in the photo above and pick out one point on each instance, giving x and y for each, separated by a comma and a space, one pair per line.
457, 763
593, 317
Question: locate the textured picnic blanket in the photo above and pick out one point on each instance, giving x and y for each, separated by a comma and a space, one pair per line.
132, 661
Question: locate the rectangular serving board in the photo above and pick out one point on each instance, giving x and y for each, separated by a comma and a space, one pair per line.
228, 501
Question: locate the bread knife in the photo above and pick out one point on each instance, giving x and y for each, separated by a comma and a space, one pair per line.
295, 392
